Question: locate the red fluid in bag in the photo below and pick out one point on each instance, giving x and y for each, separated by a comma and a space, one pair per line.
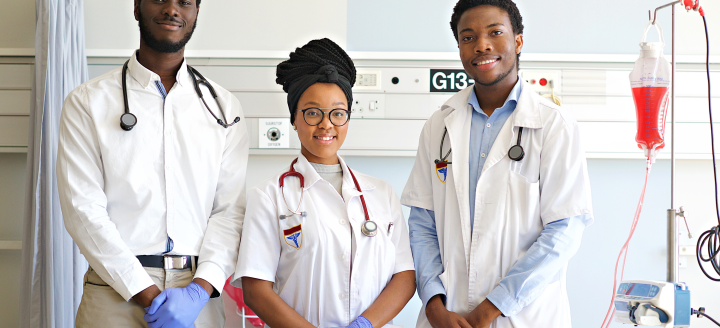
651, 108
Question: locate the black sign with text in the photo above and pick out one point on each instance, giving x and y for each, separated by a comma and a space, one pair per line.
449, 80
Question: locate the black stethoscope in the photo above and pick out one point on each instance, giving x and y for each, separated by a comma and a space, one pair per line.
516, 152
368, 228
128, 120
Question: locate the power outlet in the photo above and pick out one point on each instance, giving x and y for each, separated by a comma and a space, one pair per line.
543, 82
368, 105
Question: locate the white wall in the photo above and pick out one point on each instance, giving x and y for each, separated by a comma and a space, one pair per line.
275, 25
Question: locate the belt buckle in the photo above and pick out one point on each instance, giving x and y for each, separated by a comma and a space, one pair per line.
174, 262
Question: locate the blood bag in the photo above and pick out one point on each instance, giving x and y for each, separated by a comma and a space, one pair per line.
650, 82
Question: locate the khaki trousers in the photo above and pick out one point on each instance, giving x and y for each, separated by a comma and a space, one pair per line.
102, 306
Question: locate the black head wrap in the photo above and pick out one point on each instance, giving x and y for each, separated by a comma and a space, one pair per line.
318, 61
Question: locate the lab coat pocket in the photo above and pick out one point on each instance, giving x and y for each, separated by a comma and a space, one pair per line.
445, 279
523, 205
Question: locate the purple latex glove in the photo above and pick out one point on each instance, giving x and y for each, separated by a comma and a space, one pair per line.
360, 322
176, 307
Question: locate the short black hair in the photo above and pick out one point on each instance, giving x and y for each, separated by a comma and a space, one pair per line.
506, 5
197, 4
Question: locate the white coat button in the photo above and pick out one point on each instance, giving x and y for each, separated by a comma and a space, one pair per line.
342, 296
171, 202
342, 222
482, 155
489, 125
167, 132
342, 257
167, 167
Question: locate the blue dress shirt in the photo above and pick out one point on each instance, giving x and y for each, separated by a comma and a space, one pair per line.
483, 132
557, 242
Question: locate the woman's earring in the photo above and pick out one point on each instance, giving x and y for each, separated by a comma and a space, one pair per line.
294, 127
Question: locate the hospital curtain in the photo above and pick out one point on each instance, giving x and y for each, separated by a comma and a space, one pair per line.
52, 266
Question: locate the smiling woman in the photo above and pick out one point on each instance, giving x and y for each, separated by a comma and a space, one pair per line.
322, 123
304, 229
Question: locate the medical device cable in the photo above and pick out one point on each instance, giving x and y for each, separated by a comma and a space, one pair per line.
701, 312
552, 95
624, 249
710, 237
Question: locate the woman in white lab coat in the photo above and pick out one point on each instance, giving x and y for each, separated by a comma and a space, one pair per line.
308, 256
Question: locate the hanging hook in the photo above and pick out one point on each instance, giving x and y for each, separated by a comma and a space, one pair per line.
654, 19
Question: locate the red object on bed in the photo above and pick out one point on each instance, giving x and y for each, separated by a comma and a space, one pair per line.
237, 295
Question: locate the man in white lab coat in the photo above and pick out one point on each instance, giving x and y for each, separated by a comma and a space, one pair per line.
154, 198
499, 192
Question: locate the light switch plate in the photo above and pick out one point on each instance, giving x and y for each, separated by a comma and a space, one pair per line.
368, 80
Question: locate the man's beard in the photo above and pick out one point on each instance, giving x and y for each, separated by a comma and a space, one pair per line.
502, 76
163, 46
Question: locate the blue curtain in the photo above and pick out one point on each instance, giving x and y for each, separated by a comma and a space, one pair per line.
52, 267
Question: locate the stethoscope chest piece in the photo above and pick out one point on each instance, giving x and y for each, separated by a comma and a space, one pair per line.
128, 121
516, 153
369, 228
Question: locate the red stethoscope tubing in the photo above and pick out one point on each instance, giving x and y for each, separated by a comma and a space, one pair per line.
299, 175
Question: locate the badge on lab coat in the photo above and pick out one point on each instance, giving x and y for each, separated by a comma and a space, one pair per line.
441, 171
293, 236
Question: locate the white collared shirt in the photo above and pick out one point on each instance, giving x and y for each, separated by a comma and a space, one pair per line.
176, 174
322, 265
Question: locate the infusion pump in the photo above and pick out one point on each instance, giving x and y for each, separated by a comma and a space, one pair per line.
652, 303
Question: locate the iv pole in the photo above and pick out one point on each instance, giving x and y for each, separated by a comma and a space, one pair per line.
673, 249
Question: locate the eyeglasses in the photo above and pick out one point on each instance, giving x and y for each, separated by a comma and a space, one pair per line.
338, 116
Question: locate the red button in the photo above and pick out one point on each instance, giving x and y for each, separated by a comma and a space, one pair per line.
533, 81
543, 82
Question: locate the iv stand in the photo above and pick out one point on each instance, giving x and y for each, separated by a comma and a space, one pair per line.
673, 250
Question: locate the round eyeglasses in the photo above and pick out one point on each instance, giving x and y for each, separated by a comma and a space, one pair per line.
313, 116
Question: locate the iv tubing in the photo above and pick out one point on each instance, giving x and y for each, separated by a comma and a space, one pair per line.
624, 249
710, 237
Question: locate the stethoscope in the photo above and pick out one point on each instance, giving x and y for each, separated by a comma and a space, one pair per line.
516, 152
368, 228
128, 120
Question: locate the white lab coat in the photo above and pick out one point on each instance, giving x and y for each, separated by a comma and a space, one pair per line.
513, 202
330, 273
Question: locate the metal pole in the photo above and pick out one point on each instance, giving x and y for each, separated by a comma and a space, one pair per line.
673, 247
672, 119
